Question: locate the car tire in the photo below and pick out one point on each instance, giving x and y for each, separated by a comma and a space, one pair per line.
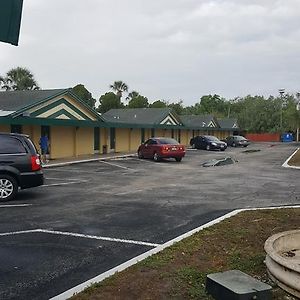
8, 187
233, 145
156, 157
178, 159
207, 147
193, 146
140, 155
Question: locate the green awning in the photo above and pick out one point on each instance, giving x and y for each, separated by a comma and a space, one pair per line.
10, 20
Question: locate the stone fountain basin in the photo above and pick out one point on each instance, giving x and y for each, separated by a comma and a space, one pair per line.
283, 260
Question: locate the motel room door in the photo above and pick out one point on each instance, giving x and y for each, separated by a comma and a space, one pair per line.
96, 140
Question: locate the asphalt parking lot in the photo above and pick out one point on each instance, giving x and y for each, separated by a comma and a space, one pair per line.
90, 217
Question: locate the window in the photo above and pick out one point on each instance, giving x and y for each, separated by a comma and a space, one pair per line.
168, 141
11, 145
152, 142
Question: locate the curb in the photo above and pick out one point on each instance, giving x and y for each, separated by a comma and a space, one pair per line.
286, 165
85, 160
79, 288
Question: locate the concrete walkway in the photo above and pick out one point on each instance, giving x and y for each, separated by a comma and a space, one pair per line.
85, 158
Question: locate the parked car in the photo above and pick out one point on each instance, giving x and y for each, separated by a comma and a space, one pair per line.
20, 165
158, 148
237, 141
208, 142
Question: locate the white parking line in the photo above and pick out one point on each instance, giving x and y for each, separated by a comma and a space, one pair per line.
115, 165
15, 205
71, 181
95, 237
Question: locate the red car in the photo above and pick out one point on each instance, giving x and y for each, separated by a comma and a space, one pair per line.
158, 148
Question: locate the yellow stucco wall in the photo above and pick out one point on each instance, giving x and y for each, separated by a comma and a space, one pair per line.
135, 139
122, 139
185, 137
4, 128
84, 141
62, 142
159, 132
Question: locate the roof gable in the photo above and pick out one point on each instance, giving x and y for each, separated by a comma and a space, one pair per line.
52, 104
203, 121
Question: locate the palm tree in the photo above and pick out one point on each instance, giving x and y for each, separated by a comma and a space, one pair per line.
119, 87
18, 79
132, 95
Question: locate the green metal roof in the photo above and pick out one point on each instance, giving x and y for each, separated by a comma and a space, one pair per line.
16, 100
145, 116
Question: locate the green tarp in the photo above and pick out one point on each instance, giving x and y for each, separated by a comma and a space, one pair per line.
10, 20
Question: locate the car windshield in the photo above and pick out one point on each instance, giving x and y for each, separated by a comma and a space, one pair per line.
167, 141
212, 138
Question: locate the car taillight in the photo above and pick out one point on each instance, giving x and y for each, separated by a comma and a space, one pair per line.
35, 163
165, 148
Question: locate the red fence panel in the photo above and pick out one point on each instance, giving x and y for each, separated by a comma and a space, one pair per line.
263, 137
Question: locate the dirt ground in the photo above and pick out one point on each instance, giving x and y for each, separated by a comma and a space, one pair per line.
295, 160
179, 272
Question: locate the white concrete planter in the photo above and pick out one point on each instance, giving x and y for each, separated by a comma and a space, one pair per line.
283, 260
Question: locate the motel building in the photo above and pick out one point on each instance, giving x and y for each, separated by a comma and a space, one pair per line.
75, 129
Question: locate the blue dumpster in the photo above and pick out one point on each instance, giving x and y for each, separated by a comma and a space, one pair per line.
287, 137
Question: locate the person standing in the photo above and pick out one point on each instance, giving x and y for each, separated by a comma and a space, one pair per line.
44, 144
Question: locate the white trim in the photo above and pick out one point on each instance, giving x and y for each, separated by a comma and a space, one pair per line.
59, 107
168, 120
286, 165
79, 288
212, 124
63, 117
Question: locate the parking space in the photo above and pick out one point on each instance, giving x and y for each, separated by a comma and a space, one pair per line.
90, 217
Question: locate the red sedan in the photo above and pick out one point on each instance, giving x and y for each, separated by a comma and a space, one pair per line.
158, 148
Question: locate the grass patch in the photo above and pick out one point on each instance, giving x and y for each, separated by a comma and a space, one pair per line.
295, 160
179, 272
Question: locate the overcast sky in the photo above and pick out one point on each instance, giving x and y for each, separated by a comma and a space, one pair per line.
164, 49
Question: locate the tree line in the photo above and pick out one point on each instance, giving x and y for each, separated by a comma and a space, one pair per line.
254, 113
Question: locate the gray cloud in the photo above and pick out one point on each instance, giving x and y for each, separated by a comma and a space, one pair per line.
164, 49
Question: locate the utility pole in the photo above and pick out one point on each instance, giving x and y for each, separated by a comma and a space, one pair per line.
281, 92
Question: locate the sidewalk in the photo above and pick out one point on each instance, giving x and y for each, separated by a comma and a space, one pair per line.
86, 158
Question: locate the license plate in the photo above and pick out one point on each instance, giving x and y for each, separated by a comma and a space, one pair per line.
174, 149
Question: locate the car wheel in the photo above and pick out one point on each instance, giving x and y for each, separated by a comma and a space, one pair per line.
140, 155
8, 188
207, 147
193, 146
233, 145
156, 157
178, 159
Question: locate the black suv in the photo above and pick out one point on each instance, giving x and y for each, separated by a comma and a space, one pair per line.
20, 165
